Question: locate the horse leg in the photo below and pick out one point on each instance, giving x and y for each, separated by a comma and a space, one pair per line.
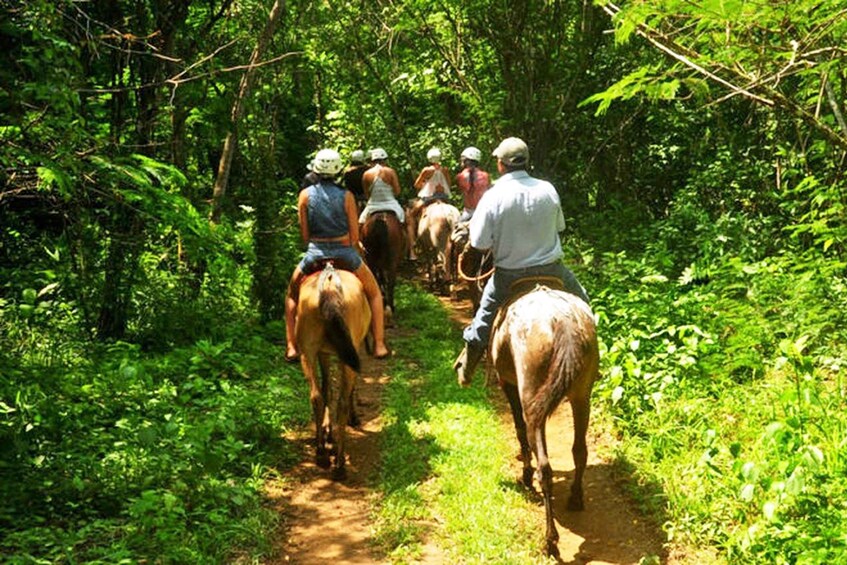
347, 380
581, 411
318, 409
326, 393
353, 419
536, 429
512, 395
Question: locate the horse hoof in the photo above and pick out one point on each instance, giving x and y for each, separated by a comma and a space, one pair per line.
575, 503
339, 473
527, 477
322, 459
552, 549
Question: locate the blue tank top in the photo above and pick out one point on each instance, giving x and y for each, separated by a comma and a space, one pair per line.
325, 210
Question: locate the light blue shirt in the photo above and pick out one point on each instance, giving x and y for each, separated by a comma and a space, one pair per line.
519, 219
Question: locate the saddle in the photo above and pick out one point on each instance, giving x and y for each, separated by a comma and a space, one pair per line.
430, 200
376, 213
528, 284
321, 266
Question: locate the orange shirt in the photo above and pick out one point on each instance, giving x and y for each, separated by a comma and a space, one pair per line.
472, 191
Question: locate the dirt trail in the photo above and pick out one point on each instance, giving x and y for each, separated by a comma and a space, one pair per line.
330, 522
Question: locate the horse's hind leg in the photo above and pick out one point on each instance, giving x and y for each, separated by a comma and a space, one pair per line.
536, 430
318, 408
511, 392
581, 412
353, 419
326, 393
347, 381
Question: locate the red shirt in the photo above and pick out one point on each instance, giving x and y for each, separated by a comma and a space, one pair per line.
472, 192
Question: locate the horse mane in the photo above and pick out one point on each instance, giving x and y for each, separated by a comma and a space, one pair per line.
331, 305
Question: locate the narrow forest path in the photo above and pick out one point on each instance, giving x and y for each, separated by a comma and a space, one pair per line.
330, 522
327, 521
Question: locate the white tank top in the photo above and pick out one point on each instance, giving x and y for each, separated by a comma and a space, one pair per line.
429, 186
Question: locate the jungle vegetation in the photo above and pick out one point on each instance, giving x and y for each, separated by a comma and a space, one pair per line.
150, 154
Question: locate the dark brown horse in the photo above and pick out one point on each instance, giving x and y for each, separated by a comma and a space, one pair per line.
384, 242
333, 318
560, 360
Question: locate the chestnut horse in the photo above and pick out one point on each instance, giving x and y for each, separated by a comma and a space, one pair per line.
544, 349
433, 243
333, 318
384, 243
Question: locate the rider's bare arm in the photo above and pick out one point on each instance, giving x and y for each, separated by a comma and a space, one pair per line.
423, 177
367, 181
394, 182
303, 215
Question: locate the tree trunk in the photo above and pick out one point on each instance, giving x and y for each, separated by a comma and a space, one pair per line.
238, 110
269, 271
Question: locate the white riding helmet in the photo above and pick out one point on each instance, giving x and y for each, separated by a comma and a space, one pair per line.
472, 153
434, 155
327, 162
378, 154
357, 156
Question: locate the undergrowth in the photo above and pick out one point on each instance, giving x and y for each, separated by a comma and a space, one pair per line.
114, 455
724, 383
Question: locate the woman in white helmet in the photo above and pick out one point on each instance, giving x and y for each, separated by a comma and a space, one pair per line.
433, 183
382, 187
472, 181
329, 227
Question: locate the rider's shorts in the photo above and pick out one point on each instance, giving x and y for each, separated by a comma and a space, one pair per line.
318, 253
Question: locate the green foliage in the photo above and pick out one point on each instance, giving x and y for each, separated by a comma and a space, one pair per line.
705, 197
734, 420
129, 457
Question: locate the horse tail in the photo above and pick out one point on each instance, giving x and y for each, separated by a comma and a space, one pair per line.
331, 306
381, 235
574, 352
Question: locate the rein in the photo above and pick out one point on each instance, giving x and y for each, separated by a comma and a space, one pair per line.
467, 278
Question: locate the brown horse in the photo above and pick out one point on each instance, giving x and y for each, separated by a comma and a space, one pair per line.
333, 317
384, 242
560, 360
433, 243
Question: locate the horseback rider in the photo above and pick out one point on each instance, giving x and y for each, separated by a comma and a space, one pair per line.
329, 228
519, 219
353, 177
433, 183
311, 177
472, 181
382, 187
